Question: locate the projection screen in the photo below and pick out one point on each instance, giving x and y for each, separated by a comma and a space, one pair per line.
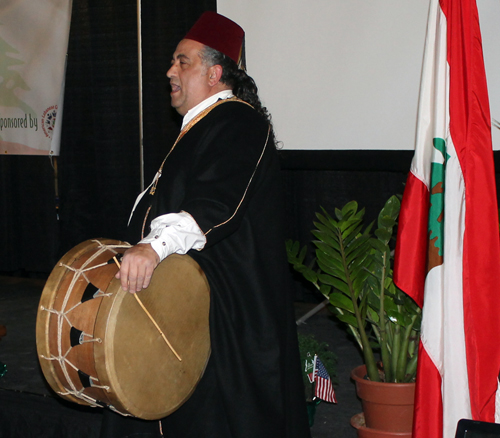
344, 74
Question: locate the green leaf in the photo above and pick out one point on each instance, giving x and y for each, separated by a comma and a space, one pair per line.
325, 227
331, 222
358, 250
358, 280
353, 235
349, 209
368, 229
327, 263
292, 249
326, 235
359, 215
302, 254
359, 239
325, 290
361, 263
325, 238
383, 235
326, 219
398, 317
391, 207
372, 314
335, 282
348, 319
374, 301
308, 273
328, 250
341, 301
386, 222
331, 270
390, 305
338, 214
379, 245
349, 229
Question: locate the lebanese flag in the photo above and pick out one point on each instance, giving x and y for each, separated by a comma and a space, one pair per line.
448, 248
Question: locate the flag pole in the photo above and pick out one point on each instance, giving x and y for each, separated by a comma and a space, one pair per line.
141, 127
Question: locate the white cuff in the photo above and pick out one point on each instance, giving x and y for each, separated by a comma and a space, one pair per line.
175, 233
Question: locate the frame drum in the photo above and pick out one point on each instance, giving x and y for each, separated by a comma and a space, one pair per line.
97, 346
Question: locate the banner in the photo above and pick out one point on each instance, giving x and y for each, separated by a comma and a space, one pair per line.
448, 247
33, 45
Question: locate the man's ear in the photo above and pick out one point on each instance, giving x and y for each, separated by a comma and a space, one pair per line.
214, 74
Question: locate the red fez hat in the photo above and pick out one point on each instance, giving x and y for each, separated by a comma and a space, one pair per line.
219, 33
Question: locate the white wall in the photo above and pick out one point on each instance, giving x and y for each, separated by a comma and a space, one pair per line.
344, 74
489, 19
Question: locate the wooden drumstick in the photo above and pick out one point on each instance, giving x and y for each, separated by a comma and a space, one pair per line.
151, 318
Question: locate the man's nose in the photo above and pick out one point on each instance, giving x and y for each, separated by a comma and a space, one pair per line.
170, 72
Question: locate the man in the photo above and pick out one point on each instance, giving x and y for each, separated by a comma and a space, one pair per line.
218, 199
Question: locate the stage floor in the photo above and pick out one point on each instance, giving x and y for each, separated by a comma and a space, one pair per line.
29, 408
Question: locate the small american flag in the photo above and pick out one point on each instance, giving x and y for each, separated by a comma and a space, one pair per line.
324, 389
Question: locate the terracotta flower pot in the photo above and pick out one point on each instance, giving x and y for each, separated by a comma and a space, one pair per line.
358, 422
386, 406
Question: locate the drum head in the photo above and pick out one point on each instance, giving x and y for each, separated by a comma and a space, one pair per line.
145, 377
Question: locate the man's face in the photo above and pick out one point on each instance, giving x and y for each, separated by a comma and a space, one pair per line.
188, 76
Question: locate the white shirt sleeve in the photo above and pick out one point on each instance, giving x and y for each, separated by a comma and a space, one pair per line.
175, 233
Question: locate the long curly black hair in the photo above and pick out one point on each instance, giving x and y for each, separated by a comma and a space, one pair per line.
241, 83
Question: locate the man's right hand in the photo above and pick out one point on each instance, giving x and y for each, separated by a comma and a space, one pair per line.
137, 267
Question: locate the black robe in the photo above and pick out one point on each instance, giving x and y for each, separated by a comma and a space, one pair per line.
225, 173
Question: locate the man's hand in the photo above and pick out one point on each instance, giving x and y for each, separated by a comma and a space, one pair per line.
138, 264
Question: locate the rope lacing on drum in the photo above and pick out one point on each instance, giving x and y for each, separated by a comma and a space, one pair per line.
81, 395
91, 338
62, 316
63, 361
119, 412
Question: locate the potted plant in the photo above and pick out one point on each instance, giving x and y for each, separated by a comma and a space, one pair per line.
352, 268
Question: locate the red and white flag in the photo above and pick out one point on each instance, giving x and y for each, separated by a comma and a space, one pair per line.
448, 246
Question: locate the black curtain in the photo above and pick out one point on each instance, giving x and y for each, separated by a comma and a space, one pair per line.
29, 227
98, 167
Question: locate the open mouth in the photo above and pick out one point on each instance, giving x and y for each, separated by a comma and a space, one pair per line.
175, 88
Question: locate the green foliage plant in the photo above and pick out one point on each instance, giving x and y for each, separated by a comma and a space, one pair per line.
352, 268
